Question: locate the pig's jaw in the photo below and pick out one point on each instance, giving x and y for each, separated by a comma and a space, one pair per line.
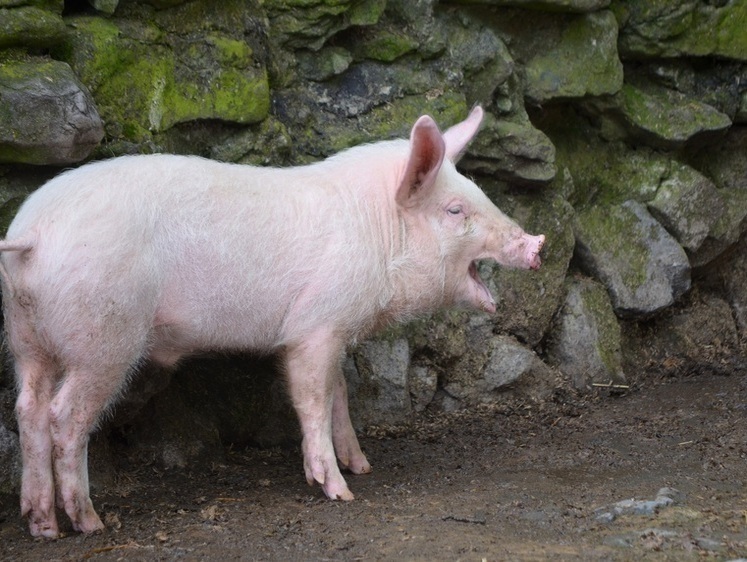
484, 299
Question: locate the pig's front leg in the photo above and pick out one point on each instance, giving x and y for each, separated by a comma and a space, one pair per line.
312, 367
343, 435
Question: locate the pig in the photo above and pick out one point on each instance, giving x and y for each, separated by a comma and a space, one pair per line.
158, 257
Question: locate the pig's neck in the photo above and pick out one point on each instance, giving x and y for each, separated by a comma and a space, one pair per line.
415, 274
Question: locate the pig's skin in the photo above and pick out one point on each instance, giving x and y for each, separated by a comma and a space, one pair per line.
157, 257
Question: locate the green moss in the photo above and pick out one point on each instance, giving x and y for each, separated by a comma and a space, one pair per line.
231, 51
609, 231
142, 86
367, 12
583, 61
447, 108
30, 26
597, 304
93, 49
673, 28
668, 116
384, 45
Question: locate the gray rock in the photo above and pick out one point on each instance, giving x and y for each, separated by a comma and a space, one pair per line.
323, 64
310, 24
640, 263
586, 342
726, 231
512, 151
602, 172
657, 116
508, 365
718, 85
665, 497
377, 381
551, 5
527, 300
671, 28
10, 461
724, 162
688, 205
583, 62
46, 115
29, 26
105, 6
423, 384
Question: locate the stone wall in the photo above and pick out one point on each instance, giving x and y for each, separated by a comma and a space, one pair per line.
617, 128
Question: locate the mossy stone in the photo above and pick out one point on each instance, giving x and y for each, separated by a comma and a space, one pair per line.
144, 88
323, 64
383, 44
309, 23
657, 116
513, 151
30, 26
586, 341
583, 62
546, 5
672, 28
642, 266
688, 205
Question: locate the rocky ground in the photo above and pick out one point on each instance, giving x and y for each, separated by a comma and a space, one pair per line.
654, 473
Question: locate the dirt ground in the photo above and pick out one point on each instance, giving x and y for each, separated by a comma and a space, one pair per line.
508, 483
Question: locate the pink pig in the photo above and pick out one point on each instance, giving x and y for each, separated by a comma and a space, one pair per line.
158, 257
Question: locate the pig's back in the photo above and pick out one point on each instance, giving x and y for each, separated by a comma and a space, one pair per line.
226, 256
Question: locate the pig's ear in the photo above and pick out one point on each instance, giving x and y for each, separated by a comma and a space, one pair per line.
458, 137
427, 151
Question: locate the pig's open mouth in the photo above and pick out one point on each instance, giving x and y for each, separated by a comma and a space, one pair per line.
485, 299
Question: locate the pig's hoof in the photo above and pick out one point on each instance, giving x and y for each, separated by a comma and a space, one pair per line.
344, 495
337, 490
88, 524
46, 529
359, 467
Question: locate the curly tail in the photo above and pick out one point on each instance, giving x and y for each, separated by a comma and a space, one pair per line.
18, 245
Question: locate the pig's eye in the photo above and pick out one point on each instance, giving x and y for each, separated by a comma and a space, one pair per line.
455, 210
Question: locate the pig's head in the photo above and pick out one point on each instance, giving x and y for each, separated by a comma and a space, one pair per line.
440, 202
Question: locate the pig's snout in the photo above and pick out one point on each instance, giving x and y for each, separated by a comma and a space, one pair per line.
534, 246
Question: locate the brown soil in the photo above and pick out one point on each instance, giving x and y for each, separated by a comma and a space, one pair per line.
522, 483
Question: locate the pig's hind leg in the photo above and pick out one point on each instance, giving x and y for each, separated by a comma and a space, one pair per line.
103, 350
75, 409
346, 444
36, 377
312, 367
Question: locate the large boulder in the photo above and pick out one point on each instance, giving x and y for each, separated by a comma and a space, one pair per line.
585, 343
688, 205
527, 300
657, 116
309, 24
642, 266
512, 151
378, 373
671, 28
550, 5
143, 86
30, 26
46, 115
564, 56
